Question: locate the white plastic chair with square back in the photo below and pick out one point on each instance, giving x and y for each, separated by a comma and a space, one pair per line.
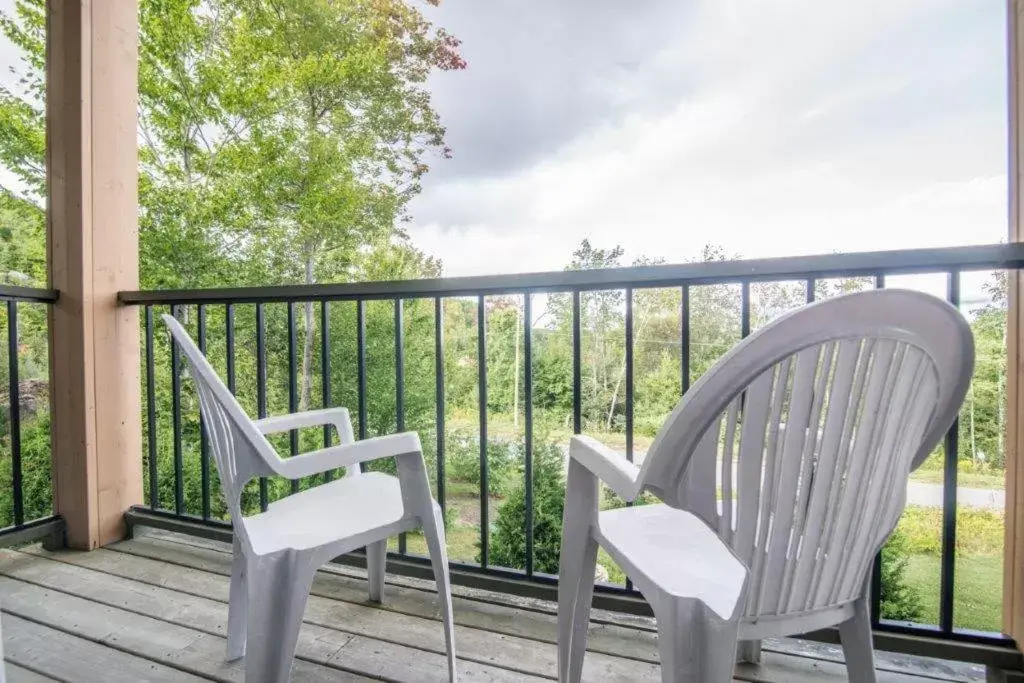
809, 428
277, 552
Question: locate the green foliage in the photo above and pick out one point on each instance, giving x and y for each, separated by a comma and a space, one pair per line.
22, 242
899, 599
982, 416
979, 531
508, 537
36, 469
462, 462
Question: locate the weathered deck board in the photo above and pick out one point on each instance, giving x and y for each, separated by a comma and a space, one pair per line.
613, 633
66, 657
17, 674
617, 635
610, 639
159, 606
187, 650
317, 644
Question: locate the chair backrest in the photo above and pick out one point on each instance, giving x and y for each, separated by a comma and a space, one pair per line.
809, 430
239, 448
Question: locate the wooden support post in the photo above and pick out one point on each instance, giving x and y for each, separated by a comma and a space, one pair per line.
1013, 559
92, 253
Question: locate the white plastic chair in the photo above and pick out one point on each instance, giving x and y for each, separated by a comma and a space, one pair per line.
810, 429
277, 552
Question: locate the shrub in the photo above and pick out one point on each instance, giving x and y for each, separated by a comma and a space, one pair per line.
899, 600
508, 538
36, 473
979, 531
609, 500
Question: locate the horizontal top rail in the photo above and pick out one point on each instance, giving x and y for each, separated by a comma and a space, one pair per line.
16, 292
909, 261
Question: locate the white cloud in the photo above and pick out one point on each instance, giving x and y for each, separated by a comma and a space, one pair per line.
792, 127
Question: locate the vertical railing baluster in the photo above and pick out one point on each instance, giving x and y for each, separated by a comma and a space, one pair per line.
325, 371
204, 451
528, 424
809, 293
481, 348
629, 374
229, 344
293, 393
261, 384
876, 565
745, 309
629, 390
154, 490
179, 491
947, 579
361, 368
361, 372
684, 339
577, 369
15, 412
400, 385
439, 399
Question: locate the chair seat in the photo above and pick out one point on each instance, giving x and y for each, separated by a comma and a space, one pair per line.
342, 508
676, 551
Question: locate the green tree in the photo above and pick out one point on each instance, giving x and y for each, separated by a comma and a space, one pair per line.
982, 418
508, 539
899, 600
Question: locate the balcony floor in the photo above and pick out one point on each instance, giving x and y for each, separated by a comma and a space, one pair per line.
155, 609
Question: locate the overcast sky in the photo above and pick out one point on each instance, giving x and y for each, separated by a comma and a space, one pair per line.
769, 127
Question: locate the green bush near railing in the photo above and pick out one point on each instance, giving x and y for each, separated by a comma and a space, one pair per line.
979, 531
36, 472
508, 538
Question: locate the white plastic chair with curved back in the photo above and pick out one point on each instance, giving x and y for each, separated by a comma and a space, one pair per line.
809, 428
277, 552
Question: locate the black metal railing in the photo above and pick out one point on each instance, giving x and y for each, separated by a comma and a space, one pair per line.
26, 498
684, 279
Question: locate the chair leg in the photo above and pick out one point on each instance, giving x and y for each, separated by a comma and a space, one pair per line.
433, 532
855, 634
278, 587
575, 593
694, 643
237, 605
376, 561
576, 571
749, 652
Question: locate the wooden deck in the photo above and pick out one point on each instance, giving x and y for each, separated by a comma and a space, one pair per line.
155, 609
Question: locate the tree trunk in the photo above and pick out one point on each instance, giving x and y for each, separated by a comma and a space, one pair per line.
307, 348
622, 372
615, 398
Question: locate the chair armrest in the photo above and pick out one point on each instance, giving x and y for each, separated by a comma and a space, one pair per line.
615, 471
348, 454
338, 417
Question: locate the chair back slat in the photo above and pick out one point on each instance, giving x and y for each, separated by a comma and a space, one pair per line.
239, 449
820, 417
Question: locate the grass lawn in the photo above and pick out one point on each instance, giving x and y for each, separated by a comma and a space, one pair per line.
462, 540
979, 587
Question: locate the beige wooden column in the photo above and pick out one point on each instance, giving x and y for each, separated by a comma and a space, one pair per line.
92, 253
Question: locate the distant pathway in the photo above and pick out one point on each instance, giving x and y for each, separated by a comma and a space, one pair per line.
923, 493
930, 495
